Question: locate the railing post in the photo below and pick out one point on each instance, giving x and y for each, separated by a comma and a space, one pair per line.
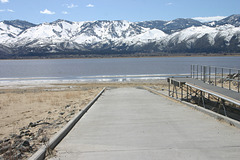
229, 79
191, 70
201, 73
215, 76
222, 77
238, 79
197, 71
204, 74
169, 87
181, 92
209, 72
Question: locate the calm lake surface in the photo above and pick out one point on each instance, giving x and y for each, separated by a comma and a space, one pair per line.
107, 67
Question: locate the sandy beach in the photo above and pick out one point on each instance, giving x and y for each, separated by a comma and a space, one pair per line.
30, 116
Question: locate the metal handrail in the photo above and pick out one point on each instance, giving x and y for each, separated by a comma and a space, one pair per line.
210, 74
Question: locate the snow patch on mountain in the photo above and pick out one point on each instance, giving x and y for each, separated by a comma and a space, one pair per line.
159, 36
190, 35
149, 36
8, 33
227, 32
48, 33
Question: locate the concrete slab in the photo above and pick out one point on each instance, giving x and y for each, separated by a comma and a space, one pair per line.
130, 123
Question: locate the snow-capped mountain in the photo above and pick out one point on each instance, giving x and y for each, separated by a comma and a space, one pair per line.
233, 20
171, 26
19, 24
21, 38
204, 39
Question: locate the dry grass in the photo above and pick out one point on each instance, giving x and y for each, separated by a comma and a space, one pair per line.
19, 109
56, 106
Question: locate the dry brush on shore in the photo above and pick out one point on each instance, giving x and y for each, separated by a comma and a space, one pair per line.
30, 117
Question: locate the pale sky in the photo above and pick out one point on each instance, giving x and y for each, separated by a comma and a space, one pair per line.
39, 11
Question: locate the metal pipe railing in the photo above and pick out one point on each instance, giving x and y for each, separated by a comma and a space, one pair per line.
217, 76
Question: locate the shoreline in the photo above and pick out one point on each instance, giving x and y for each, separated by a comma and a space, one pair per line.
30, 116
112, 56
30, 82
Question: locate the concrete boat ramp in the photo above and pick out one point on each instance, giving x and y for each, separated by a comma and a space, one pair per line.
135, 124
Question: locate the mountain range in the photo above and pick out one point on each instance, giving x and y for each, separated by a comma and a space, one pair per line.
22, 39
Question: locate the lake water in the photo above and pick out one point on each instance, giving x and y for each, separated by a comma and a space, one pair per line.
105, 69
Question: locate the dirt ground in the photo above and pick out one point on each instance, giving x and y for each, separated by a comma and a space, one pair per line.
31, 116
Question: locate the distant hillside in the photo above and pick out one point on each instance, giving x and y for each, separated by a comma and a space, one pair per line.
64, 38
